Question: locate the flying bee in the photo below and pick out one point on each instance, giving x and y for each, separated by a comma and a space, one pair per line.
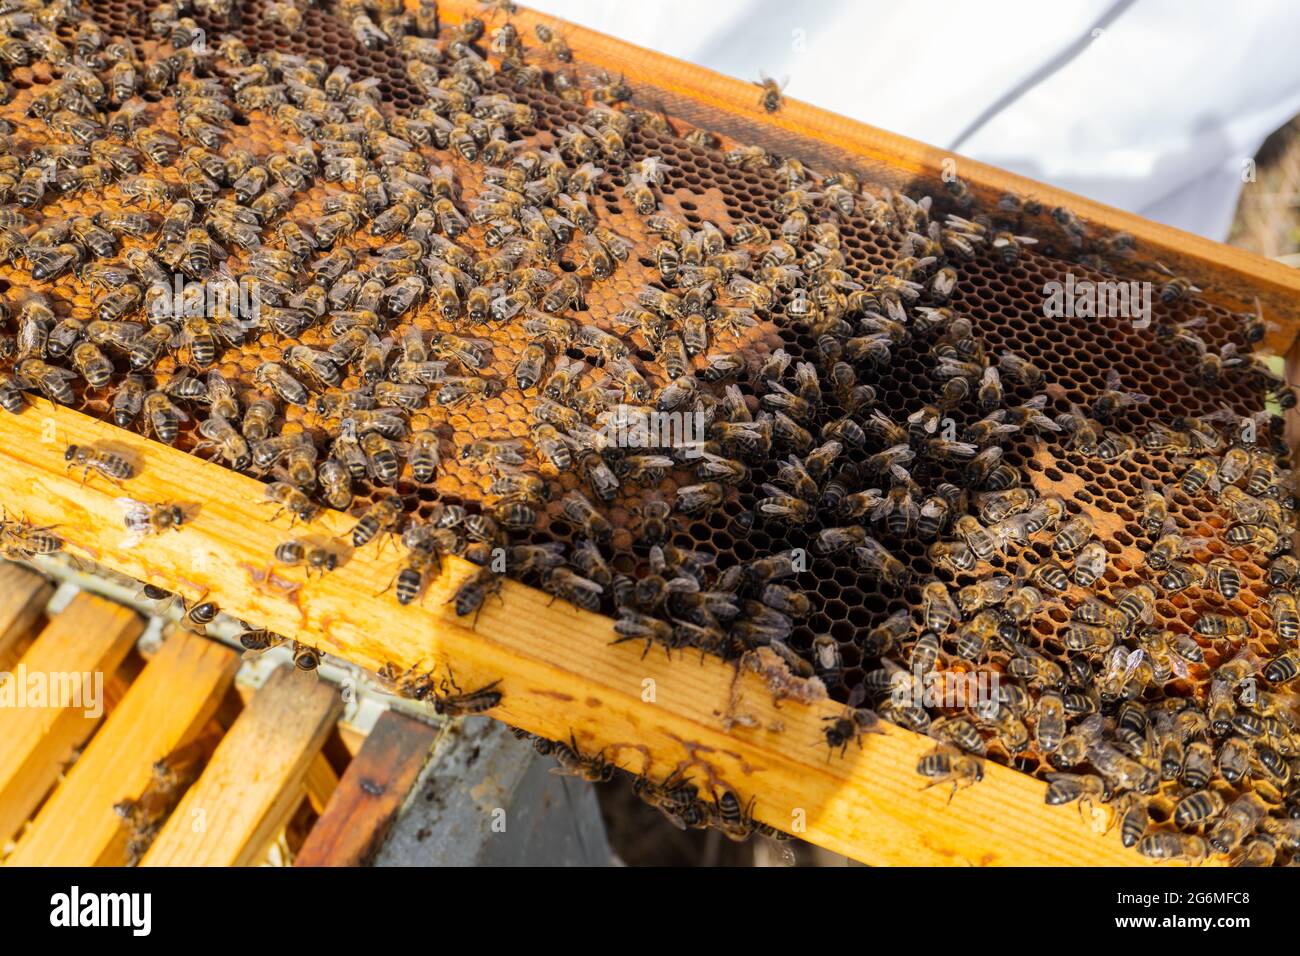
771, 98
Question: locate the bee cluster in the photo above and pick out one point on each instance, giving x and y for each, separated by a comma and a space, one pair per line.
474, 266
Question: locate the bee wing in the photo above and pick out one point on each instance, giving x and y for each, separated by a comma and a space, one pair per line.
671, 818
587, 584
683, 584
135, 515
133, 511
1133, 662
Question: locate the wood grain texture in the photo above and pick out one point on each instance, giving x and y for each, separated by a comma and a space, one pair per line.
558, 671
172, 700
370, 793
90, 637
1229, 276
255, 779
23, 596
320, 782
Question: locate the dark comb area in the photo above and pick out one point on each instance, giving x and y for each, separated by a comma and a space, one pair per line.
910, 469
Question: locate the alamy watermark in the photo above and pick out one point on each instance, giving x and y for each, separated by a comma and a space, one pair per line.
235, 299
133, 911
937, 688
629, 426
83, 690
1101, 299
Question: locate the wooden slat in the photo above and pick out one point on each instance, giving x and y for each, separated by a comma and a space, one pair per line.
23, 596
558, 671
320, 783
254, 780
171, 701
90, 637
372, 790
1229, 275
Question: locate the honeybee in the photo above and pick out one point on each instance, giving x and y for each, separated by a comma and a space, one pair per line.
494, 452
1073, 535
554, 42
469, 597
948, 765
1170, 845
451, 701
288, 498
92, 460
1222, 625
274, 376
295, 551
1177, 288
1285, 613
1203, 473
379, 517
851, 724
699, 497
1283, 570
771, 98
1170, 546
1113, 400
20, 539
142, 519
976, 537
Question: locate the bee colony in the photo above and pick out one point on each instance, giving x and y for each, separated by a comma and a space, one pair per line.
468, 270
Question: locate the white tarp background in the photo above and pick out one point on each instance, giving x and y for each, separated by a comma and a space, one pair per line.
1153, 106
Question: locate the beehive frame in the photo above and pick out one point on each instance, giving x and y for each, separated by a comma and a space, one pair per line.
866, 806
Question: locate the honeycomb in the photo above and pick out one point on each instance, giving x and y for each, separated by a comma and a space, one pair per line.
1003, 301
